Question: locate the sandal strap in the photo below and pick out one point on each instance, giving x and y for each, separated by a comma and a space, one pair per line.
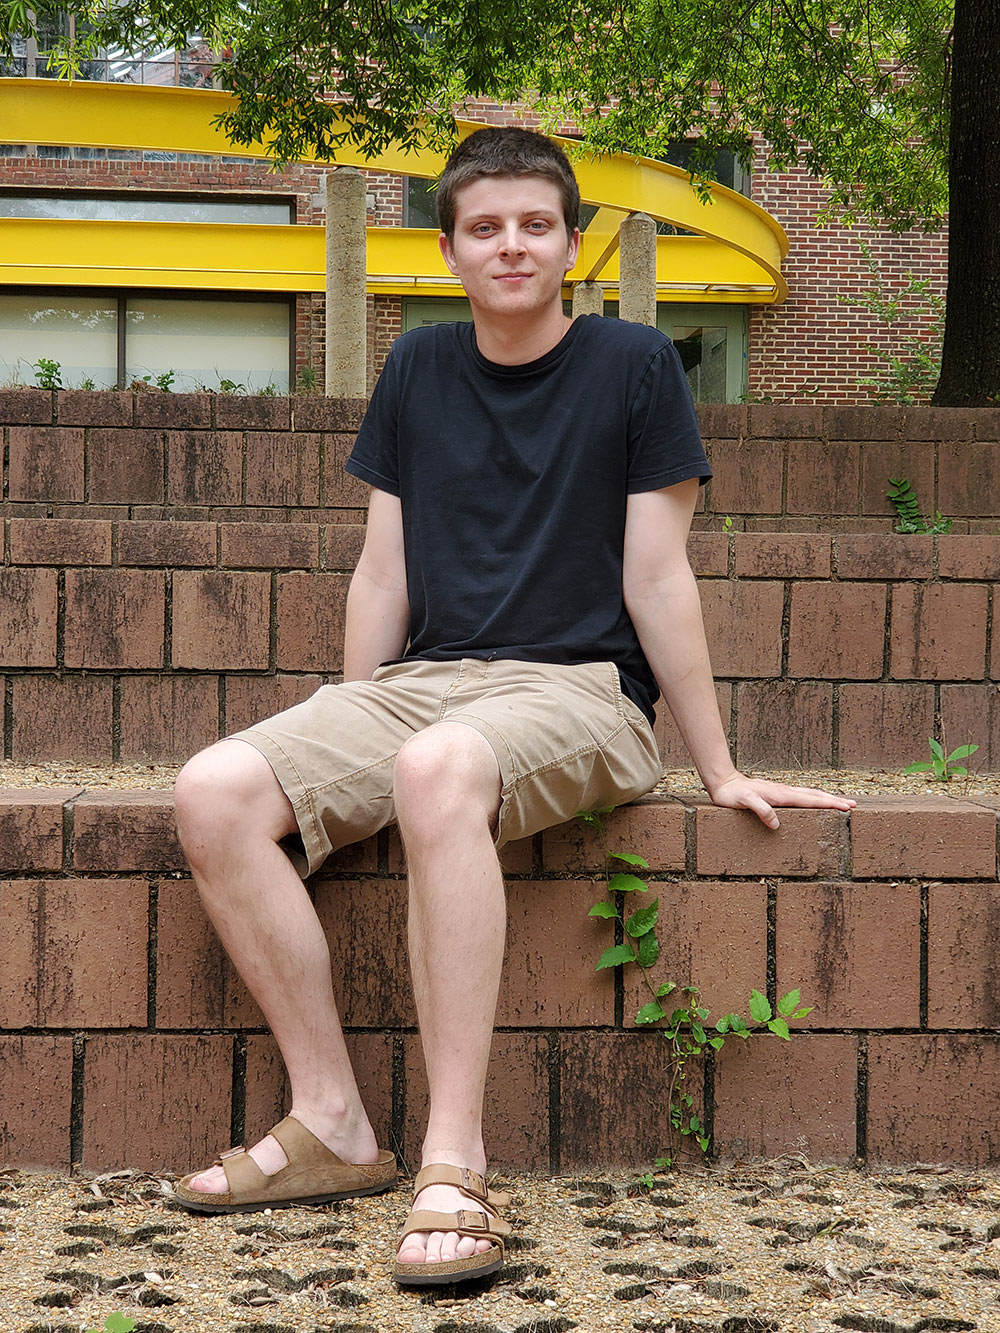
467, 1222
470, 1183
242, 1172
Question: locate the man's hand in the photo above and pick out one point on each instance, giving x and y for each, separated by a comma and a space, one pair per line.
761, 796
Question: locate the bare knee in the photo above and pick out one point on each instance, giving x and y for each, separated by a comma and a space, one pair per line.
228, 791
444, 777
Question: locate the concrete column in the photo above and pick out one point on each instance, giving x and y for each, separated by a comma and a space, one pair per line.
588, 299
346, 270
637, 257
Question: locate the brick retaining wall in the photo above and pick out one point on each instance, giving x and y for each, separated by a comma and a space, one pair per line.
125, 1038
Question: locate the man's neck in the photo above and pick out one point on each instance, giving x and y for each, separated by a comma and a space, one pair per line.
514, 343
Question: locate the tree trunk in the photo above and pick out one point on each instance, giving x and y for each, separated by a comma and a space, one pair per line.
970, 362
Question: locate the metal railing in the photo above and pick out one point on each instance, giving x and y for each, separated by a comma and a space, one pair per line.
193, 66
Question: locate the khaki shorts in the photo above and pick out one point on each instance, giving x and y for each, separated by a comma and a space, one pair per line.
565, 737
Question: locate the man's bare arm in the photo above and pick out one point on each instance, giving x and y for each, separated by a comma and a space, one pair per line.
661, 596
378, 611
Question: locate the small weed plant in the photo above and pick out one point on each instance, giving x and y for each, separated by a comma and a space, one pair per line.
686, 1026
48, 374
115, 1323
943, 766
305, 381
903, 499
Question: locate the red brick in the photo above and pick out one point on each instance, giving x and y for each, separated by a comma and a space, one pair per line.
939, 423
156, 1103
166, 719
365, 924
853, 950
114, 618
735, 842
282, 468
862, 423
968, 479
965, 557
784, 724
64, 939
125, 466
782, 555
30, 407
721, 421
896, 458
53, 541
169, 543
311, 611
828, 523
652, 828
986, 423
963, 939
885, 726
713, 936
28, 616
250, 699
252, 412
270, 545
890, 556
673, 751
743, 626
896, 836
204, 467
46, 463
516, 1124
552, 950
774, 1097
31, 823
338, 487
970, 715
268, 1096
173, 410
708, 553
36, 1089
747, 476
316, 412
836, 630
342, 543
42, 705
600, 1074
934, 1098
87, 407
938, 631
221, 621
786, 421
126, 830
823, 478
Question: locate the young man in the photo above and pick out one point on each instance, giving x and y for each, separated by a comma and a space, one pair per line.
522, 593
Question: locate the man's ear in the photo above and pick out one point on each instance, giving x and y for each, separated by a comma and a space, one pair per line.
444, 245
573, 250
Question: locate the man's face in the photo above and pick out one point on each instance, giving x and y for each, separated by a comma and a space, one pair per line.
510, 246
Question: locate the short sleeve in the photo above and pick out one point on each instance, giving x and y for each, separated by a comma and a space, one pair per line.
664, 442
375, 456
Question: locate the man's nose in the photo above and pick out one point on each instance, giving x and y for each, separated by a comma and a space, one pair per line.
511, 241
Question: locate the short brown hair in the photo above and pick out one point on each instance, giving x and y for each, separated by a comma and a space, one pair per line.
506, 152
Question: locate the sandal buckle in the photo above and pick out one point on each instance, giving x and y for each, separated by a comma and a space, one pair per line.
231, 1152
472, 1221
473, 1182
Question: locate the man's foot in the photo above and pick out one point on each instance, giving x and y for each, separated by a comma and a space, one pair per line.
432, 1253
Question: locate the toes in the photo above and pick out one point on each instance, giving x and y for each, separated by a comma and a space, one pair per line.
210, 1182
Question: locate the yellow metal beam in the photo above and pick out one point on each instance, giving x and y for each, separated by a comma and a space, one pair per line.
100, 115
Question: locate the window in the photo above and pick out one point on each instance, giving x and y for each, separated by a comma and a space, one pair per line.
229, 209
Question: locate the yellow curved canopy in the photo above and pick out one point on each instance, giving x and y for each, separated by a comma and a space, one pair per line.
735, 255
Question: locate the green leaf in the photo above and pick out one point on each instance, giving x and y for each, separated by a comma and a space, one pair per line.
604, 909
630, 858
962, 752
651, 1013
787, 1003
665, 989
703, 1142
649, 950
118, 1323
694, 1123
801, 1013
780, 1028
724, 1022
717, 1042
738, 1025
618, 953
957, 771
919, 768
698, 1032
760, 1008
622, 883
936, 748
642, 921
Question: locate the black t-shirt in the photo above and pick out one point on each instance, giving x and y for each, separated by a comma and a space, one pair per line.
513, 482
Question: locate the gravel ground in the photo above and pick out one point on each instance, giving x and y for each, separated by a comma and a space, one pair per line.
783, 1247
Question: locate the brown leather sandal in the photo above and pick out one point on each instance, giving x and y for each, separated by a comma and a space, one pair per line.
313, 1174
479, 1223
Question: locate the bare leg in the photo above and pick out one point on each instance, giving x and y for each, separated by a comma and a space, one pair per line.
231, 813
447, 794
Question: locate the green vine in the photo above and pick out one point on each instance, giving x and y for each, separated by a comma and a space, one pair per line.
685, 1027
